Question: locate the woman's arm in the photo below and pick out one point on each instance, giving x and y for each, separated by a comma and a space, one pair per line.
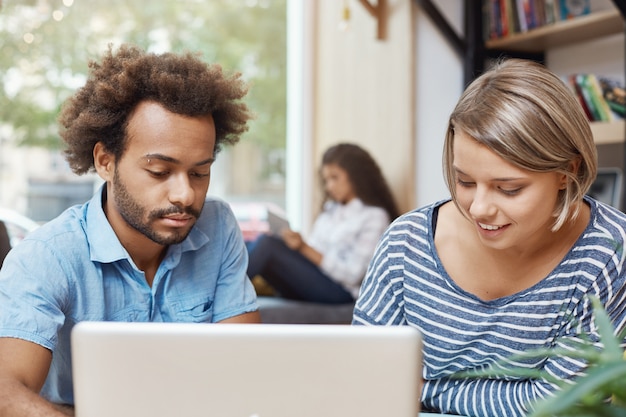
294, 241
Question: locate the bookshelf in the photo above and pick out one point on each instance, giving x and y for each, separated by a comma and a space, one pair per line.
475, 52
606, 133
583, 28
569, 32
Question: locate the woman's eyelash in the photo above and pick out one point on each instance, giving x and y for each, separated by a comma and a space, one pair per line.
511, 192
502, 190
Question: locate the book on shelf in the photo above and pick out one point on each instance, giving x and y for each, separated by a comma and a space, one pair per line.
507, 17
523, 10
580, 95
615, 95
552, 12
574, 8
602, 99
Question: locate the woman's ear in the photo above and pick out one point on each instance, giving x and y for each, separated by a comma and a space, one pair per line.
103, 162
574, 166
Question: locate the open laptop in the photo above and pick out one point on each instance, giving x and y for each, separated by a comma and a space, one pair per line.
245, 370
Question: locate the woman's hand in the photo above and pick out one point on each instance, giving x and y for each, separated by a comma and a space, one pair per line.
292, 239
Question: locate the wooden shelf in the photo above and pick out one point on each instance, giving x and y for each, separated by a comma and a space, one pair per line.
609, 132
591, 26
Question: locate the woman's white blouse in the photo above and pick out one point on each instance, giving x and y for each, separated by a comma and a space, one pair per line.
346, 235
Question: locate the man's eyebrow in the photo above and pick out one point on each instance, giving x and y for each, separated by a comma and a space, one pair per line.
169, 159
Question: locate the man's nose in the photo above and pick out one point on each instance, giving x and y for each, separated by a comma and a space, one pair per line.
181, 192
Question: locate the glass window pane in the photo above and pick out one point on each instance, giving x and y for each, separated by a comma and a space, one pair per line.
46, 45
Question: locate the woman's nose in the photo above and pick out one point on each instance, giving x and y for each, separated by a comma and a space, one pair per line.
482, 203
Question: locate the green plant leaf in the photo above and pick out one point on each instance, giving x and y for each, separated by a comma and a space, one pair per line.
594, 381
612, 348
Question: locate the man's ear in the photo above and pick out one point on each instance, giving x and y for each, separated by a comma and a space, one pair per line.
103, 161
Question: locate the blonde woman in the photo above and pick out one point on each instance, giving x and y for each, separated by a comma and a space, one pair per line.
507, 263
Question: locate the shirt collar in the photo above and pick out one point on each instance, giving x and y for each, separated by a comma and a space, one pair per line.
105, 247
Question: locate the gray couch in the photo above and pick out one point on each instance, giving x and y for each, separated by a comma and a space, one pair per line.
276, 310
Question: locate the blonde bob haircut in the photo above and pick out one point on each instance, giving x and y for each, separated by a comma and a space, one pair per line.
530, 118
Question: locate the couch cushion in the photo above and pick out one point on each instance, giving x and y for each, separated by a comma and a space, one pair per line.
279, 310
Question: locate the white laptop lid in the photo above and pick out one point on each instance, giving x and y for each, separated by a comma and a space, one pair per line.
245, 370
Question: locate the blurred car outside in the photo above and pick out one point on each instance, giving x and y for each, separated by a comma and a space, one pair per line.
252, 217
18, 225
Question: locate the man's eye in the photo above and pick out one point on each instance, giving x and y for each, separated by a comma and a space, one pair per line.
158, 173
200, 174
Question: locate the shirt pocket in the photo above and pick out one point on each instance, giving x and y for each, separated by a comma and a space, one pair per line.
196, 309
133, 314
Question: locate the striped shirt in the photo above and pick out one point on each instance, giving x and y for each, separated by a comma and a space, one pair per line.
406, 284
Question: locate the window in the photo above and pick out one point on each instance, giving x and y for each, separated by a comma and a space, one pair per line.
46, 45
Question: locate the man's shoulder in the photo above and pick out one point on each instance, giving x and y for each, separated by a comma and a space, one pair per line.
70, 221
215, 209
58, 240
215, 204
216, 213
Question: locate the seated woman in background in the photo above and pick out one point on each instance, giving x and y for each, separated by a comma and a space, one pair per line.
329, 266
507, 264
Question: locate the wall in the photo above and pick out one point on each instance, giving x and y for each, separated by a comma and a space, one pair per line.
364, 90
439, 84
394, 96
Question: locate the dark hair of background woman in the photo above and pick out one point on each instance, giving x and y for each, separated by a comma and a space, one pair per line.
365, 176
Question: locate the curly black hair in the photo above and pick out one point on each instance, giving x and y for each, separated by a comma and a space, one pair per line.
365, 176
181, 83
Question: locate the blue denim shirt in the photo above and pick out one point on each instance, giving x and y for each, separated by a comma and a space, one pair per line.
74, 268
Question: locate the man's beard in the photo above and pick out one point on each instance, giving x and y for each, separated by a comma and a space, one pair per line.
134, 214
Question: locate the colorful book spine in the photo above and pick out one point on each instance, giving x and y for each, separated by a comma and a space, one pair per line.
615, 95
574, 8
577, 89
507, 17
581, 81
606, 115
596, 97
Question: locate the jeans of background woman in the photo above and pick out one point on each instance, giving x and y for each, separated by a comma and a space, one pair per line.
291, 274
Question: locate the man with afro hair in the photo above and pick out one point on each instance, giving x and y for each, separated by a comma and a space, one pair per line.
149, 246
